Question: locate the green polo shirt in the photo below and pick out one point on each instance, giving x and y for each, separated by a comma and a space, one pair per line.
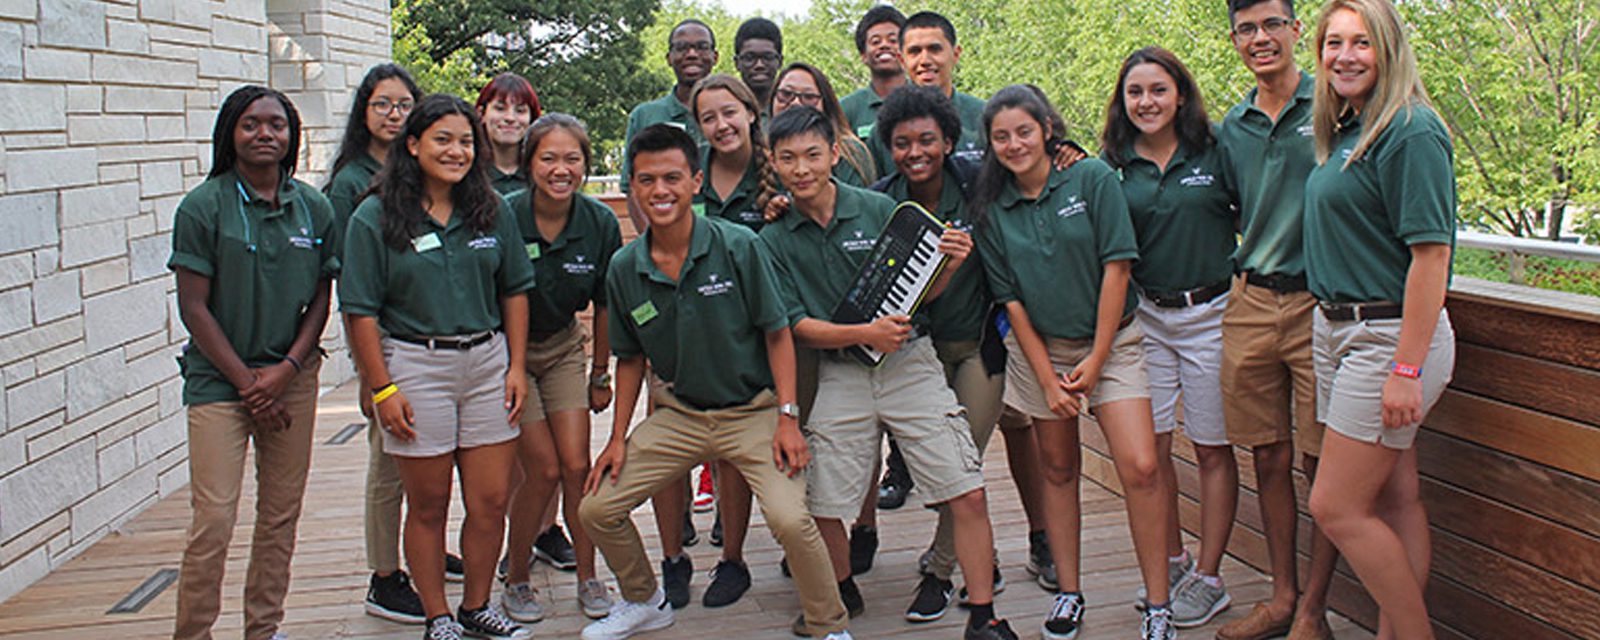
970, 108
506, 184
263, 264
1050, 252
664, 109
570, 269
447, 282
1183, 218
861, 110
959, 312
704, 333
819, 265
1361, 220
740, 206
1266, 164
346, 187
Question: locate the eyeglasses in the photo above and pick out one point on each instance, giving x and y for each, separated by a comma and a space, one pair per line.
785, 96
685, 47
382, 106
754, 57
1273, 26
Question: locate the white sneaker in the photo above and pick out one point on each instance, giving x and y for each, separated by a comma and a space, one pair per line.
593, 598
521, 602
629, 618
838, 635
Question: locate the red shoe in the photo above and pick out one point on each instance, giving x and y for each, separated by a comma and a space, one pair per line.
705, 496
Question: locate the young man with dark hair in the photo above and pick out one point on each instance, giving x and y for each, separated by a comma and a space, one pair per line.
758, 54
929, 52
818, 247
1268, 383
692, 53
697, 298
878, 43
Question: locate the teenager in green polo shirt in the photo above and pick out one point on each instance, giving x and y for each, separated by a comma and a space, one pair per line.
507, 106
436, 261
819, 248
691, 53
801, 84
1058, 248
570, 238
382, 101
929, 52
254, 251
1161, 144
1268, 380
878, 42
757, 54
1380, 230
695, 297
739, 178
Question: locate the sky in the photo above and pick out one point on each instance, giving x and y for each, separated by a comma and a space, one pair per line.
766, 7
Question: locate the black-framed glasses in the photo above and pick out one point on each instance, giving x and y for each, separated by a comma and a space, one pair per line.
383, 106
1273, 26
785, 96
685, 47
756, 57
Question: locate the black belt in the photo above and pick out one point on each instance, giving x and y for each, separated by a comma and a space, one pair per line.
1188, 298
459, 344
1276, 282
1347, 311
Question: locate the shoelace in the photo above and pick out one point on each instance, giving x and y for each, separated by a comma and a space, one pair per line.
1157, 624
444, 630
495, 621
1069, 606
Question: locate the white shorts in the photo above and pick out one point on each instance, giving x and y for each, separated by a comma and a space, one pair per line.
1183, 357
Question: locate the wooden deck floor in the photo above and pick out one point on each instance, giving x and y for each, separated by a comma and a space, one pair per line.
330, 573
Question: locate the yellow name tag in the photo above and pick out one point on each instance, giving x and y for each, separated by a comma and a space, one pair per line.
426, 243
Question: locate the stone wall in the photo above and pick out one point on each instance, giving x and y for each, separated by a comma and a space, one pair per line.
106, 110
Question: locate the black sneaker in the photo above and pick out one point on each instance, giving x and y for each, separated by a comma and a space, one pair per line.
932, 599
392, 598
863, 547
994, 629
894, 488
1066, 617
1040, 563
553, 547
690, 537
488, 622
716, 531
454, 570
675, 580
999, 587
729, 581
850, 594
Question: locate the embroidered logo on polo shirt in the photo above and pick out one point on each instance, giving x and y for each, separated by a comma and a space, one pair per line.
1306, 130
483, 242
715, 286
1197, 179
750, 216
579, 266
858, 243
1075, 206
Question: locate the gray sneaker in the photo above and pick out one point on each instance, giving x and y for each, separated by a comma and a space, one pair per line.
521, 602
1197, 602
594, 599
1177, 573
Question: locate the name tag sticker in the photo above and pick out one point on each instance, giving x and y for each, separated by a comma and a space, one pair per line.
699, 209
302, 242
424, 244
644, 313
533, 250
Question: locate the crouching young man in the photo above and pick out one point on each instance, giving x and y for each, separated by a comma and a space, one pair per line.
698, 299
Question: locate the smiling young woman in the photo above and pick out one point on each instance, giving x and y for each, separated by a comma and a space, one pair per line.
507, 106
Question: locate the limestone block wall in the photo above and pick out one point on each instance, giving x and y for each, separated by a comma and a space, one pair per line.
106, 110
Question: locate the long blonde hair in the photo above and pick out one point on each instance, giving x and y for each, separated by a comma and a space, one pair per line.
1399, 84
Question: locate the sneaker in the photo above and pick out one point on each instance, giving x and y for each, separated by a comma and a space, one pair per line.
593, 598
553, 547
995, 629
716, 531
838, 635
1041, 564
690, 536
442, 628
393, 598
488, 622
863, 547
521, 602
1066, 617
1177, 573
850, 594
629, 618
729, 581
454, 569
705, 496
999, 587
932, 599
1157, 625
894, 489
675, 580
1197, 602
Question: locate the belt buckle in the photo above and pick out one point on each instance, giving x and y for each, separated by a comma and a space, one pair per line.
1188, 298
432, 342
1355, 310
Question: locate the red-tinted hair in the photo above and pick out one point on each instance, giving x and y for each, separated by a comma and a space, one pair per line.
513, 89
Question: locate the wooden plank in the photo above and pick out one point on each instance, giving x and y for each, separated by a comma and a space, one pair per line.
1562, 551
1547, 387
1558, 442
1533, 333
1517, 584
1454, 606
1511, 296
1556, 495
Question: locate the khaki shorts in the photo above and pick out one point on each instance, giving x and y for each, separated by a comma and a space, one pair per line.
1183, 356
1122, 377
1268, 381
556, 375
907, 395
1353, 362
458, 397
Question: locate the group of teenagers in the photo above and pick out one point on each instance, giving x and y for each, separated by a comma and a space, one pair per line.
1281, 273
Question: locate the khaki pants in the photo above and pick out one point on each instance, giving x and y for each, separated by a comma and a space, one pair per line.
980, 393
663, 448
219, 434
385, 495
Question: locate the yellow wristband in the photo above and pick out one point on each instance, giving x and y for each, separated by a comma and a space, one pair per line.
384, 393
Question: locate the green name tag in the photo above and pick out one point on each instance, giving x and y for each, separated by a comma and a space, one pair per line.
699, 209
864, 131
533, 250
644, 313
425, 243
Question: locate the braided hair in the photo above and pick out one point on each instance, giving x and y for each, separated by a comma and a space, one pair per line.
759, 150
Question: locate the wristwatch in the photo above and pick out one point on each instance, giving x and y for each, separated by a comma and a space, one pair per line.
600, 380
789, 410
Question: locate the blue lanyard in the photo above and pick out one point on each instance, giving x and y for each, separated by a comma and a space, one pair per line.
244, 197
